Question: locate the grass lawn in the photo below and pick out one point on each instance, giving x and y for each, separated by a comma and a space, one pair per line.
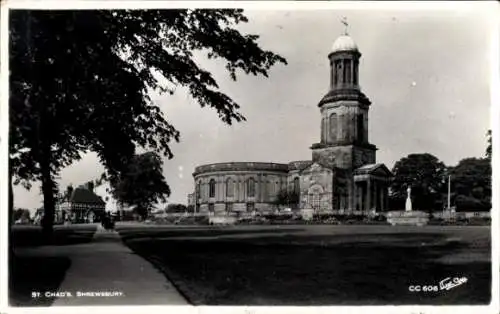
318, 265
30, 236
28, 274
32, 274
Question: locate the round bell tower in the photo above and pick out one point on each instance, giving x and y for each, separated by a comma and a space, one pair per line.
344, 63
344, 111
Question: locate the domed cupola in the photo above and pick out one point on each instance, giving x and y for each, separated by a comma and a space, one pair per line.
344, 77
344, 43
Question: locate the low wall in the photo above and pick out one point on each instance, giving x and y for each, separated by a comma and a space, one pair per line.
222, 220
407, 218
458, 215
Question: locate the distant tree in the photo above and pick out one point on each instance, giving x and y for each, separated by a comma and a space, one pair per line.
18, 213
425, 174
117, 57
69, 191
143, 184
489, 146
21, 213
286, 197
471, 184
176, 208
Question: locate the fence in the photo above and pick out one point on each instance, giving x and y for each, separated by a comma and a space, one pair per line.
442, 215
461, 215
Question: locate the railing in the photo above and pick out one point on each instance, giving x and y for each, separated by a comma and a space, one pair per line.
255, 213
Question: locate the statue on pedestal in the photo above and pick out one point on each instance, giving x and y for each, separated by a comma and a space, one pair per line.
408, 200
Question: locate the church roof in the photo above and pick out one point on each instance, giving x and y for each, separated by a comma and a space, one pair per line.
344, 43
85, 196
299, 165
370, 168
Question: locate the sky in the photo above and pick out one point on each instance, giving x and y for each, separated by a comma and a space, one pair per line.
426, 73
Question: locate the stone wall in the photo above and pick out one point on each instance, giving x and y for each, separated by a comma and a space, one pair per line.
334, 156
233, 186
316, 180
340, 123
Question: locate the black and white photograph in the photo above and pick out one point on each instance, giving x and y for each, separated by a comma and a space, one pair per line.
250, 154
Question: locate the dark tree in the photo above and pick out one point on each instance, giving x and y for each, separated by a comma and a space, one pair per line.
176, 208
287, 197
80, 81
21, 213
143, 183
471, 184
427, 177
489, 146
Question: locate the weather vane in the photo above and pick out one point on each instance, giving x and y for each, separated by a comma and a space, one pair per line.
344, 21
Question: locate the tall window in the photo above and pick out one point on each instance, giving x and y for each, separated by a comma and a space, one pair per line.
333, 126
339, 71
251, 187
229, 187
211, 191
348, 71
198, 190
296, 185
361, 129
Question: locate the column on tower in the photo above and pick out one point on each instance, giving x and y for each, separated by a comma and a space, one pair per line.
323, 130
352, 72
333, 78
355, 72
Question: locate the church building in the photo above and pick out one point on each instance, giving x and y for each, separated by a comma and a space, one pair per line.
342, 176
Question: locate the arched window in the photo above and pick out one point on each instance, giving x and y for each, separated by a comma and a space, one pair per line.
229, 187
296, 185
339, 71
333, 127
211, 192
251, 187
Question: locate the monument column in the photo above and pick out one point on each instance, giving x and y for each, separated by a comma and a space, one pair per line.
350, 196
374, 195
238, 189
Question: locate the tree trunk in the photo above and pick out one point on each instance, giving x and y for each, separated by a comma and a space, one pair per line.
11, 200
48, 195
10, 222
